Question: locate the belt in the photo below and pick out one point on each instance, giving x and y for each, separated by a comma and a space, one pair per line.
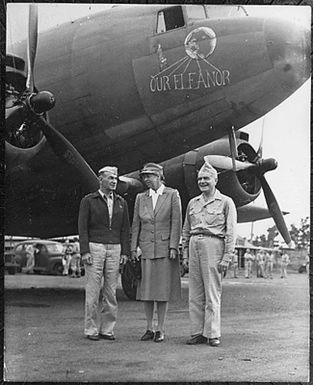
202, 235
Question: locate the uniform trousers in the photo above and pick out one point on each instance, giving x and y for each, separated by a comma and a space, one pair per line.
261, 269
101, 313
30, 264
75, 264
205, 285
66, 261
248, 269
284, 269
269, 269
235, 267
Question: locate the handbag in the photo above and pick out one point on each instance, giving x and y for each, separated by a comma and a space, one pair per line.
133, 268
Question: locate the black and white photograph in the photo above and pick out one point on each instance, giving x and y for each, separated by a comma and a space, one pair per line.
157, 192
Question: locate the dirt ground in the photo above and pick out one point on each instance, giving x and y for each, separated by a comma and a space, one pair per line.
265, 335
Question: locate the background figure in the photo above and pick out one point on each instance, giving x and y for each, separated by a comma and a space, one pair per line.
234, 263
67, 254
103, 226
248, 258
269, 261
261, 264
208, 243
75, 260
284, 263
156, 230
307, 264
30, 262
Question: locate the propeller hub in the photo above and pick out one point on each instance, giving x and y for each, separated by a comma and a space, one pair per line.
41, 102
265, 165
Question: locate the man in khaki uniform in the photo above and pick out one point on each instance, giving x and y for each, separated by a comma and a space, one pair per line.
208, 243
269, 259
234, 263
248, 258
284, 263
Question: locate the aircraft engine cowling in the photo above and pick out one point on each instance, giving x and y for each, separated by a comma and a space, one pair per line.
23, 138
243, 186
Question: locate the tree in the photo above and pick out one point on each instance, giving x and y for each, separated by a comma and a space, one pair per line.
272, 233
301, 235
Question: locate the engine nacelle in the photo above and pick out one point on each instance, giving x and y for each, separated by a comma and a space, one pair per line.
242, 186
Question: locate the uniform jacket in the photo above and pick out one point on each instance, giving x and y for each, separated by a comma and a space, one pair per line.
94, 222
216, 217
157, 231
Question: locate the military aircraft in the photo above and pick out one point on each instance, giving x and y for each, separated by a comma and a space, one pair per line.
143, 83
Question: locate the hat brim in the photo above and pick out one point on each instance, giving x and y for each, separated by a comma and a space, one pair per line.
153, 172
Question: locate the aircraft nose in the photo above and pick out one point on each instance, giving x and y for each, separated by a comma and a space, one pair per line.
288, 46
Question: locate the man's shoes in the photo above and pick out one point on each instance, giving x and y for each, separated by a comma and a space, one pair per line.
159, 337
214, 342
197, 340
149, 335
93, 338
109, 337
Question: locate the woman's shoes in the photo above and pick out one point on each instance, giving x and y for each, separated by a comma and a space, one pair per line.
159, 337
149, 335
197, 339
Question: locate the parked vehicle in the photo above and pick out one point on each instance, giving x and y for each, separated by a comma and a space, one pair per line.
48, 256
302, 268
10, 264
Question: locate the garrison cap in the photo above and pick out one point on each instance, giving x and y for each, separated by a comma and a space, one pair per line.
111, 169
207, 169
152, 168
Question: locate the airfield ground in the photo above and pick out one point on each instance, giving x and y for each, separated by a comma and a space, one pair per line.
265, 335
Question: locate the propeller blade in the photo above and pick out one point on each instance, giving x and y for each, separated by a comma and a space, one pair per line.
225, 163
260, 149
275, 210
68, 153
233, 147
31, 45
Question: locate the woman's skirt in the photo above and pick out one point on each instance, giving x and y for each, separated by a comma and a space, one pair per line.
160, 280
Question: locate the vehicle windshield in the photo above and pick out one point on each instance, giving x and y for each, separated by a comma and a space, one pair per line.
54, 248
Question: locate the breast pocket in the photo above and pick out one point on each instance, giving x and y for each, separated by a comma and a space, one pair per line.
214, 218
195, 215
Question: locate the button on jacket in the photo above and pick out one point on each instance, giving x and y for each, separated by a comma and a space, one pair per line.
216, 217
94, 222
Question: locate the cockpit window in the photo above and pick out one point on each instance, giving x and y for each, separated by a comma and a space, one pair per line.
216, 11
170, 18
195, 12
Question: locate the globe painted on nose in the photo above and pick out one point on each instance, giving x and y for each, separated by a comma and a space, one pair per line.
200, 43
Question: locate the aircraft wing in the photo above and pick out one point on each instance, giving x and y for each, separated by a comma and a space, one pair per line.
252, 213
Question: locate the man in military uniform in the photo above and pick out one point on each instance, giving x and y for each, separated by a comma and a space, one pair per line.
284, 263
103, 227
208, 243
248, 258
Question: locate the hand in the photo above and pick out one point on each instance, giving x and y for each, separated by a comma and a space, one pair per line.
222, 267
173, 253
87, 259
133, 256
185, 263
123, 259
